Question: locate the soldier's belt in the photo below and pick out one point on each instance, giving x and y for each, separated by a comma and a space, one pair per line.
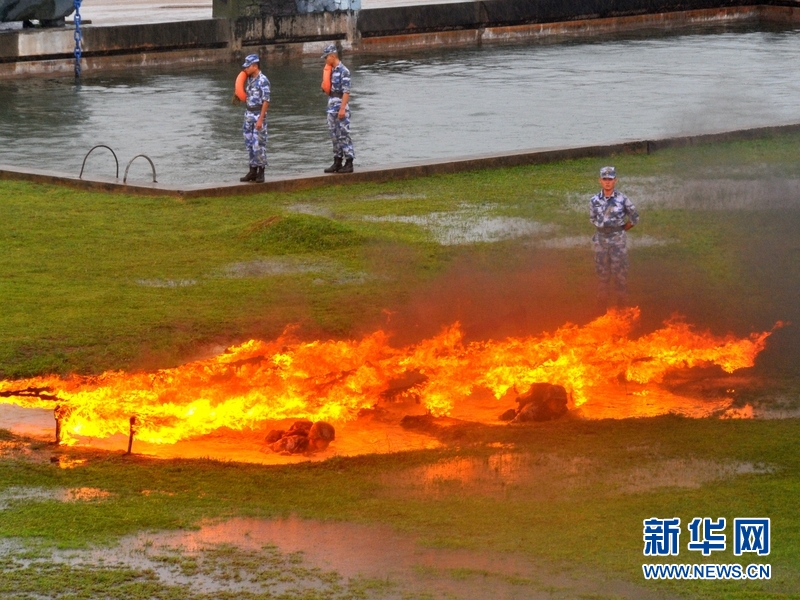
610, 229
255, 108
336, 95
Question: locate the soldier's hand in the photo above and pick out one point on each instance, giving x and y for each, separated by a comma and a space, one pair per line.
628, 225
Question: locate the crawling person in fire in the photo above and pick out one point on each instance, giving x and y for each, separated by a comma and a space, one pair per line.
612, 214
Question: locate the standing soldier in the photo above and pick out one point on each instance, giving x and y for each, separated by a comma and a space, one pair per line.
612, 214
338, 112
254, 128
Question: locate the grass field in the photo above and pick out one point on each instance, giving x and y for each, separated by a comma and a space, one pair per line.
91, 282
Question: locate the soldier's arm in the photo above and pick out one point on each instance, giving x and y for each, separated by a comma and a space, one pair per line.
633, 216
345, 93
264, 106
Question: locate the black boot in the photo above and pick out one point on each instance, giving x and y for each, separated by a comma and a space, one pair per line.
251, 175
259, 175
348, 166
337, 164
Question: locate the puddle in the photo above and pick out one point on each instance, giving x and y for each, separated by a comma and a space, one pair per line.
366, 435
166, 283
311, 209
266, 267
469, 226
398, 197
40, 494
296, 557
504, 474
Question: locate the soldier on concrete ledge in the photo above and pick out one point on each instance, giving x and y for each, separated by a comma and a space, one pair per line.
338, 112
254, 128
612, 214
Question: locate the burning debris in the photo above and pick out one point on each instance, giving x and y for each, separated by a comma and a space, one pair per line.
303, 437
543, 402
331, 381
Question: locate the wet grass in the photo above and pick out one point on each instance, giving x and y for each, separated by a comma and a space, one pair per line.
92, 282
590, 525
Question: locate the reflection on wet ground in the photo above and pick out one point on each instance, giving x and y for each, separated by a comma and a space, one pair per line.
294, 556
16, 494
468, 225
380, 431
476, 101
507, 474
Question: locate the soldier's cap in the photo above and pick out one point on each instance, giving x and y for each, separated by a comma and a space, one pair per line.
608, 173
251, 59
329, 49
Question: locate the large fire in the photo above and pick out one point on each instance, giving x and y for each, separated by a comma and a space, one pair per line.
259, 381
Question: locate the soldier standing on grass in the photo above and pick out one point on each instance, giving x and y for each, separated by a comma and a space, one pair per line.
338, 112
612, 214
254, 128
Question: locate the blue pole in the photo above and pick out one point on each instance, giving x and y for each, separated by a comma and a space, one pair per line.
77, 36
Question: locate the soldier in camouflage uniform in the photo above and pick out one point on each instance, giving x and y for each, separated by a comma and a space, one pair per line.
338, 113
612, 214
254, 128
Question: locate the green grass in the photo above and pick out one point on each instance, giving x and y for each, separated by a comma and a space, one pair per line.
90, 282
591, 523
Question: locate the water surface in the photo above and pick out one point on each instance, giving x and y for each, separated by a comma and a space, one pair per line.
409, 107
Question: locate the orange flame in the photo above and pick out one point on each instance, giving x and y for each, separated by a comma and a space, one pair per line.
261, 381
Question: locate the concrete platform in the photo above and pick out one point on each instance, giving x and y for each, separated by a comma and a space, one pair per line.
386, 174
103, 13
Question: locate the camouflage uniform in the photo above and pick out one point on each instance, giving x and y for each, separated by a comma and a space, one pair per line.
255, 140
340, 128
609, 242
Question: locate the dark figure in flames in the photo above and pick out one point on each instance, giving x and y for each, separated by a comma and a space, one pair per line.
612, 213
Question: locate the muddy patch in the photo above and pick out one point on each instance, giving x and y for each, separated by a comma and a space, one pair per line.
296, 558
546, 476
469, 225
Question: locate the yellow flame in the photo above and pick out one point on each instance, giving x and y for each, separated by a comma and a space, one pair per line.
332, 380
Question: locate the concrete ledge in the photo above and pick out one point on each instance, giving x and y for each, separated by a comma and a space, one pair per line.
500, 13
396, 173
582, 28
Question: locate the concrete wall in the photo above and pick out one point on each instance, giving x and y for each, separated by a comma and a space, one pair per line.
277, 27
234, 9
501, 13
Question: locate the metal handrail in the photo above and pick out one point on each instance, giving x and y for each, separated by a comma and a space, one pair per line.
125, 178
116, 160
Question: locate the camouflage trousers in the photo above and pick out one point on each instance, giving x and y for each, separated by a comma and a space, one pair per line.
611, 263
340, 134
255, 140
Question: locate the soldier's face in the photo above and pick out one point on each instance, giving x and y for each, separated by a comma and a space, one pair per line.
331, 60
251, 70
607, 185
